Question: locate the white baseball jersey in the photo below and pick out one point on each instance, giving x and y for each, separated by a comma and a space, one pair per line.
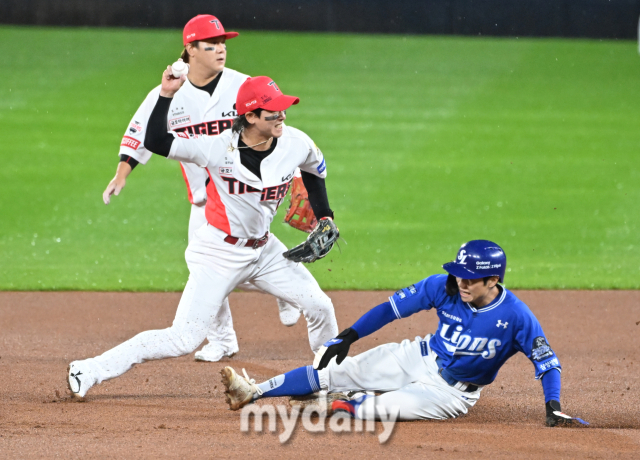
193, 112
239, 203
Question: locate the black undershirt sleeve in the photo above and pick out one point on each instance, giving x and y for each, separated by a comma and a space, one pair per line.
317, 195
158, 140
129, 160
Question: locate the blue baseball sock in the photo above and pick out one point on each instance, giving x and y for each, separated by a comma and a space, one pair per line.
298, 382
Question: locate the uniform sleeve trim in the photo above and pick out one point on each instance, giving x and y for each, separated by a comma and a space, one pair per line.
559, 369
395, 308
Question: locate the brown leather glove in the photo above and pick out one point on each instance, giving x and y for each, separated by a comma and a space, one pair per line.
300, 215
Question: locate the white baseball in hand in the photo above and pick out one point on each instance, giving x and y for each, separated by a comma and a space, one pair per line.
179, 68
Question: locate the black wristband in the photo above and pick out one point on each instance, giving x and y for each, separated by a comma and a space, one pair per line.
129, 160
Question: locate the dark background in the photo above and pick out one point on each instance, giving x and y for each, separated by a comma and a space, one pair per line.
541, 18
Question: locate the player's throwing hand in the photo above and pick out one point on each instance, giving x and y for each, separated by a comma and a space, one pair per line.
170, 84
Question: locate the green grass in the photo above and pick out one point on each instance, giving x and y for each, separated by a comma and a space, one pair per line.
430, 141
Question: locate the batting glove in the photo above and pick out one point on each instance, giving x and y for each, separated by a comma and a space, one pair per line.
338, 347
555, 416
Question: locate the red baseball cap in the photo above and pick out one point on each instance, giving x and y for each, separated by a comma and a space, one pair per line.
204, 26
262, 93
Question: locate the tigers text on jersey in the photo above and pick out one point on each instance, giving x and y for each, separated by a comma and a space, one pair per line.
238, 202
475, 343
194, 112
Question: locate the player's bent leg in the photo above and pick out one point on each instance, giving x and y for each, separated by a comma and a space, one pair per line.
241, 390
221, 336
295, 284
289, 314
415, 401
384, 368
199, 304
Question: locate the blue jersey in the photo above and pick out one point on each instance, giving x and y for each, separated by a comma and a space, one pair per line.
475, 343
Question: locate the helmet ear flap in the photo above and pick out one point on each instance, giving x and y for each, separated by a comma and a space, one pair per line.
451, 286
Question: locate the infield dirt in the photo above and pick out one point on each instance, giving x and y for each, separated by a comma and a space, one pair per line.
175, 408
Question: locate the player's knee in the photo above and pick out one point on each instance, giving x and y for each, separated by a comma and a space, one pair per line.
186, 340
325, 305
321, 307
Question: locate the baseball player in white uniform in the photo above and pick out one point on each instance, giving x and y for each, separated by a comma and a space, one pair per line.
250, 169
205, 105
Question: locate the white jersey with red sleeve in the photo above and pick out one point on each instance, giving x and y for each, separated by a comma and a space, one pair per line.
238, 202
193, 112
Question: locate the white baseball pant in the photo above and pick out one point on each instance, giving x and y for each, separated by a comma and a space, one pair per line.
409, 381
222, 332
216, 268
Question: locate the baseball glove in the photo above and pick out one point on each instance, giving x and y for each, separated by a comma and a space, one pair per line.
300, 215
318, 244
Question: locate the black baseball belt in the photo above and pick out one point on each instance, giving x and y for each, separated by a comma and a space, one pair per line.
452, 381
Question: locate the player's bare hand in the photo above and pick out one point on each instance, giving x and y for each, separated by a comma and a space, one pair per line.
114, 188
170, 84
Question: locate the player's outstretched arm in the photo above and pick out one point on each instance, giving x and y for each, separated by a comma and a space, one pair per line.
368, 323
118, 182
338, 347
551, 383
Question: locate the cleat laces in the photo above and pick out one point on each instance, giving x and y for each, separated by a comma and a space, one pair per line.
252, 382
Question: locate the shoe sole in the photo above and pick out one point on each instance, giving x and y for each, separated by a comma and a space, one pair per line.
226, 381
74, 396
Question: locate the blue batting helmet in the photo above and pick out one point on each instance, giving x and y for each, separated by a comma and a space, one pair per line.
477, 259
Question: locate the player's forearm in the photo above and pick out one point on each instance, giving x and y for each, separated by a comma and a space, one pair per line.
123, 171
317, 191
551, 384
374, 319
158, 140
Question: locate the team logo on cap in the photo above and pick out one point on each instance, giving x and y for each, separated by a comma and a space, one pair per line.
462, 256
216, 22
273, 83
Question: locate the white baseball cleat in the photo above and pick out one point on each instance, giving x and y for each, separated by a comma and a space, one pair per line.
213, 352
289, 314
79, 380
240, 390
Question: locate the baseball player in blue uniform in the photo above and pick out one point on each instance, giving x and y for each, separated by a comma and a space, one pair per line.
482, 324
